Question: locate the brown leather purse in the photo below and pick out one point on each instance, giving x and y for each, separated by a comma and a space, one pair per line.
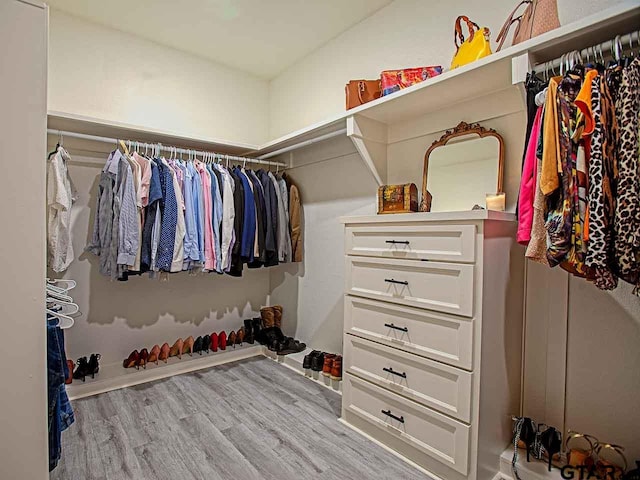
539, 16
359, 92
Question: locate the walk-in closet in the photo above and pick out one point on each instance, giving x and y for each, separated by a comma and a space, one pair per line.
364, 239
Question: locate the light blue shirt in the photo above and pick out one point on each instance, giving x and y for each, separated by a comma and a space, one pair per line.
191, 249
198, 208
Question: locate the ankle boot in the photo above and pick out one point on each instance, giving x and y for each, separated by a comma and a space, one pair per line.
248, 332
268, 317
277, 314
94, 365
81, 370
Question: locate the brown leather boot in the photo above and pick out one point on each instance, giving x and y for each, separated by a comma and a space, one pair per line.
268, 317
277, 311
328, 364
336, 368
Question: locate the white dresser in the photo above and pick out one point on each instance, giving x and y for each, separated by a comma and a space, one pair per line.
432, 336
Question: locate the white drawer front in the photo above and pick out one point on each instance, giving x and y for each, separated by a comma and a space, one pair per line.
441, 387
448, 243
439, 336
445, 287
434, 434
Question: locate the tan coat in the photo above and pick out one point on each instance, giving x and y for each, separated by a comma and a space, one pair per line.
295, 222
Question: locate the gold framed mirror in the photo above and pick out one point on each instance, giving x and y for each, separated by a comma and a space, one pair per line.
461, 168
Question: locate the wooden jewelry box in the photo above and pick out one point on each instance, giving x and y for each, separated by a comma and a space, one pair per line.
398, 198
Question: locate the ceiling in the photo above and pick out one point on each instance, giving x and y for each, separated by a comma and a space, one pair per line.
261, 37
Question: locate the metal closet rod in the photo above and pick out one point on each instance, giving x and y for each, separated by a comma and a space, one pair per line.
167, 148
621, 42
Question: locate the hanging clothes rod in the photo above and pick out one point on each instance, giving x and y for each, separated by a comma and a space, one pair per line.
611, 48
160, 146
303, 144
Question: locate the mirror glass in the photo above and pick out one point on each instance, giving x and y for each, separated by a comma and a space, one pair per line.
463, 172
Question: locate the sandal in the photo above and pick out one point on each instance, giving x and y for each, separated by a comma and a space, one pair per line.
606, 469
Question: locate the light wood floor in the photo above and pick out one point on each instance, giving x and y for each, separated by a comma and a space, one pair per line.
252, 419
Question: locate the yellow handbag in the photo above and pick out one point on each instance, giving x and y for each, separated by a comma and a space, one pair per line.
478, 44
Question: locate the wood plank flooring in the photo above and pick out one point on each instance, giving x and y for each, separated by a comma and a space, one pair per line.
247, 420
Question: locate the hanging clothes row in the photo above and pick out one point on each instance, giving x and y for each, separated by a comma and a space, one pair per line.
169, 215
579, 204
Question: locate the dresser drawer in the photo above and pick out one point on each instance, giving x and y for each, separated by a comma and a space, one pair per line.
419, 427
442, 337
447, 243
445, 287
441, 387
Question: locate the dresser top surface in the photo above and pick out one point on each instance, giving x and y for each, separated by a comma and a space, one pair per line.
468, 215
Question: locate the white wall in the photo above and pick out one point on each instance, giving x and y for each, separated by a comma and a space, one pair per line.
119, 317
406, 33
110, 75
23, 364
333, 182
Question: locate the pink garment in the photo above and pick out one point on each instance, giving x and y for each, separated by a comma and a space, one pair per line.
209, 253
145, 166
528, 183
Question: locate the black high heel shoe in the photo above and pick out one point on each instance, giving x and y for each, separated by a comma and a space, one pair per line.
94, 365
524, 430
551, 441
82, 369
248, 332
206, 343
197, 346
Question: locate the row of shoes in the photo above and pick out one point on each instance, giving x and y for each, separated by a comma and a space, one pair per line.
200, 345
83, 368
583, 452
330, 364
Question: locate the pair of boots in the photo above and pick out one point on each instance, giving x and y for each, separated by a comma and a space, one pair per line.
271, 333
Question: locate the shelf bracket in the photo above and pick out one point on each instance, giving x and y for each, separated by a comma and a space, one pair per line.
520, 67
370, 139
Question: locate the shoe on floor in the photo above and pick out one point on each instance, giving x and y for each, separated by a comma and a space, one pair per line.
328, 364
336, 368
317, 362
306, 363
291, 345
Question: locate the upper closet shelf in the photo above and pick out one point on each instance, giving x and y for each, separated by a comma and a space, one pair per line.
92, 126
481, 78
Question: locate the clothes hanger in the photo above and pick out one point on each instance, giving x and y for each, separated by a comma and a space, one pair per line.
51, 303
72, 283
64, 321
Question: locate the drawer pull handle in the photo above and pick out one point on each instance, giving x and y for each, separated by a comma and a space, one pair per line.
399, 282
393, 372
397, 242
389, 414
402, 329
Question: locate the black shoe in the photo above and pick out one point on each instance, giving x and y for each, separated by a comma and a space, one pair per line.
248, 332
551, 440
258, 331
94, 364
206, 343
317, 362
306, 363
291, 345
82, 370
524, 429
197, 346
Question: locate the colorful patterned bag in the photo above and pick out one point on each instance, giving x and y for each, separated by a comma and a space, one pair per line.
394, 80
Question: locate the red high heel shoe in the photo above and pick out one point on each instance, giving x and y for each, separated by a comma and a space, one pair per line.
143, 359
214, 342
69, 378
132, 360
222, 341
